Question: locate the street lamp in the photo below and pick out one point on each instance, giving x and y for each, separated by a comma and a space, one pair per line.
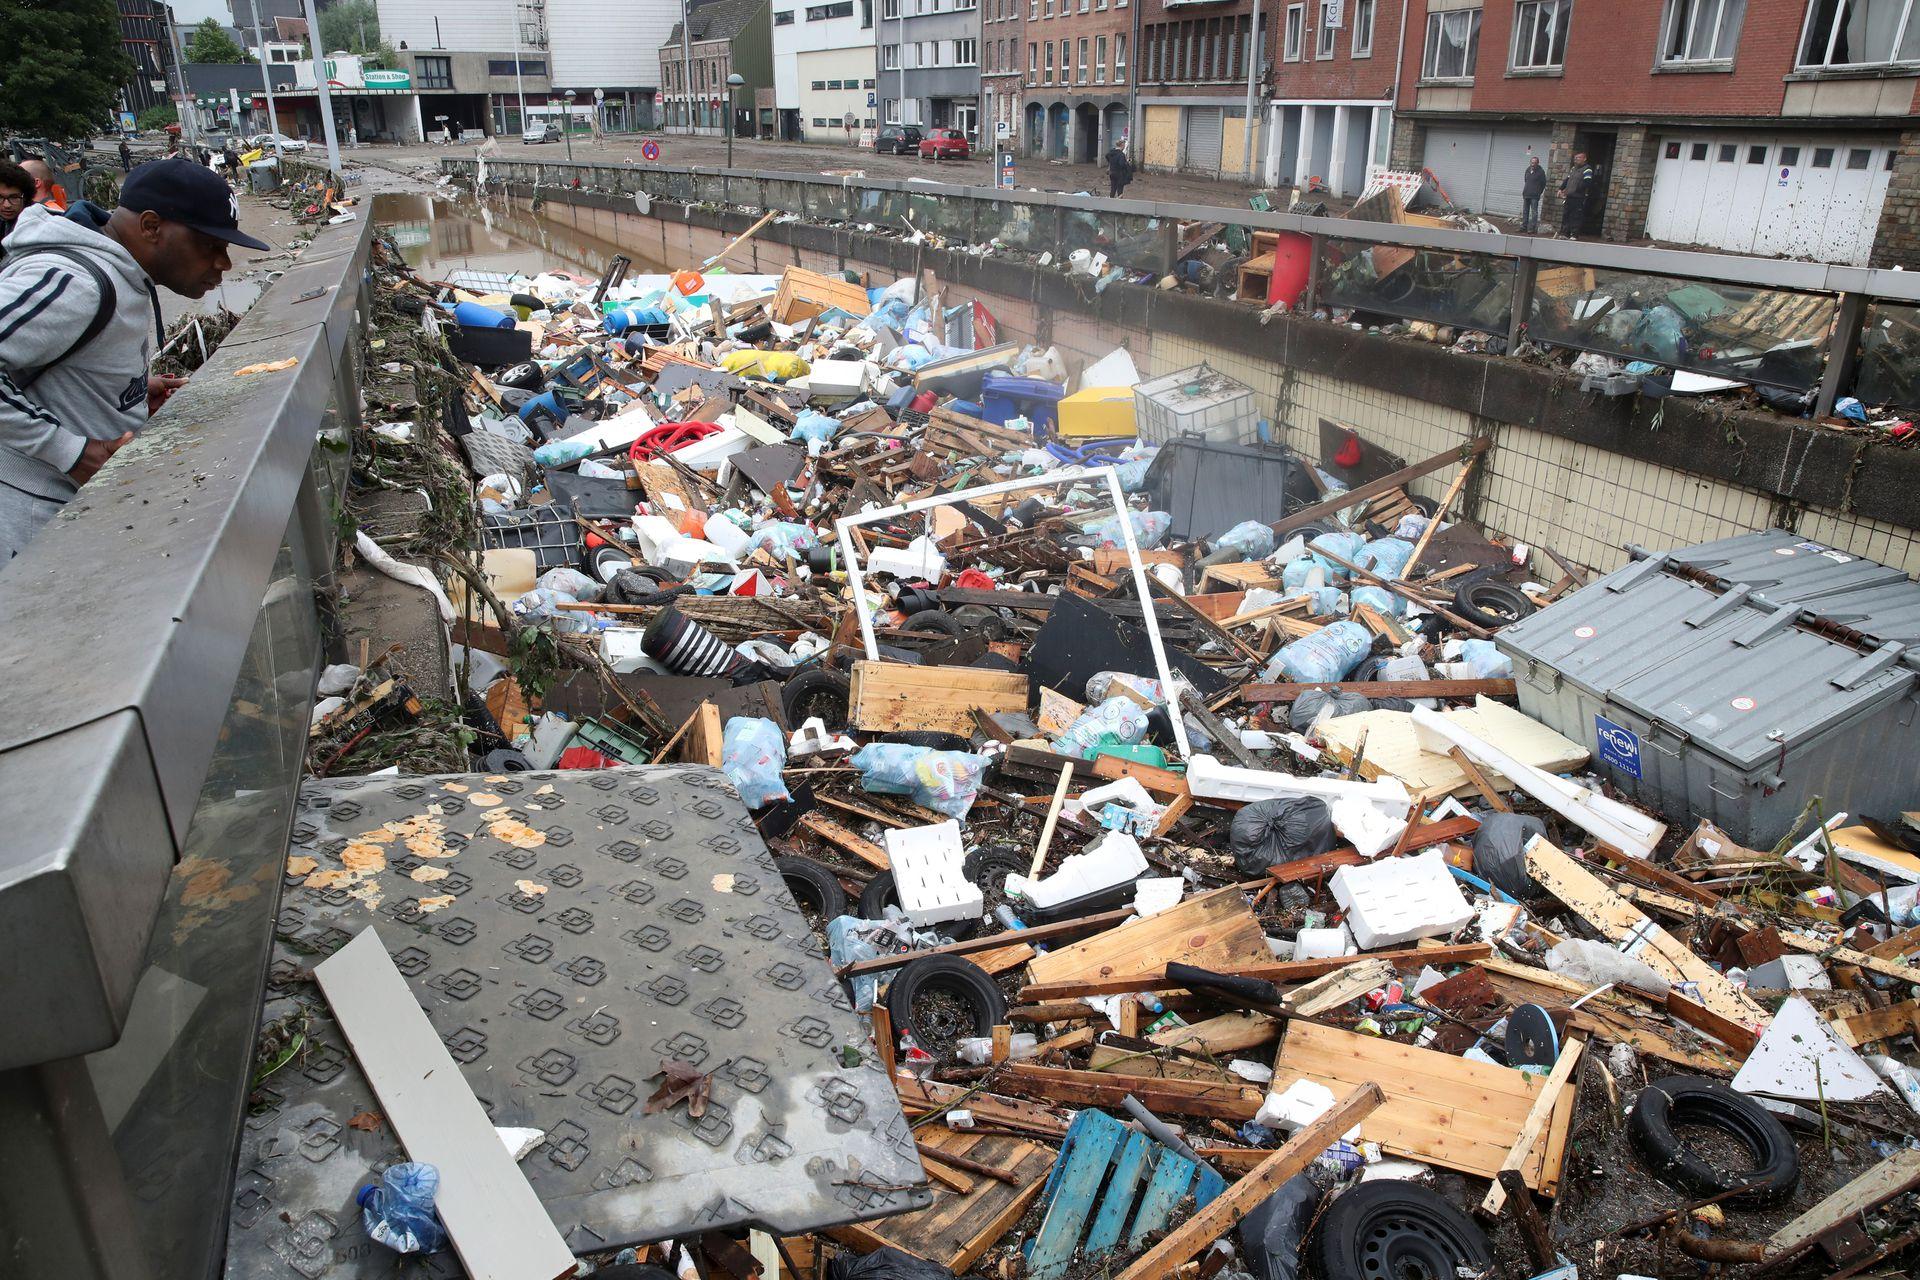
566, 124
734, 81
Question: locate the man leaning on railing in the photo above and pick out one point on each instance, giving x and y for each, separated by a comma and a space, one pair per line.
76, 299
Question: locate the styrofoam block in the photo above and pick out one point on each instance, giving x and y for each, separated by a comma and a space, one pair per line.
927, 872
1397, 900
1370, 831
1115, 860
655, 533
1319, 944
1155, 894
918, 559
708, 451
1208, 779
838, 377
1299, 1105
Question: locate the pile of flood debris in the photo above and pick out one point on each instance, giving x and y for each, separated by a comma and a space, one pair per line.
1220, 902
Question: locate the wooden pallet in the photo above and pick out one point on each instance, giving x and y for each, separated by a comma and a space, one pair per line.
1110, 1184
957, 1228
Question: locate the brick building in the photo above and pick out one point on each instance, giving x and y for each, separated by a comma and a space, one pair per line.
1331, 111
1078, 64
724, 38
1003, 68
1194, 63
1759, 126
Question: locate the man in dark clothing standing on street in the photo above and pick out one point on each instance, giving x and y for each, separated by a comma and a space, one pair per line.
1119, 172
126, 157
1533, 185
1575, 190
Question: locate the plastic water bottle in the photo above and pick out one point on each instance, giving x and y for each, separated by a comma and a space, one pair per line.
398, 1211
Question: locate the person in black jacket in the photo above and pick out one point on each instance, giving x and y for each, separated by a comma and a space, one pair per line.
1575, 190
1119, 172
1533, 185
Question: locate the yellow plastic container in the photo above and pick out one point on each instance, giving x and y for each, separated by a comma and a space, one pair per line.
1097, 413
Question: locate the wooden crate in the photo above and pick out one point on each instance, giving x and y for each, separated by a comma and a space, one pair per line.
1256, 275
805, 294
892, 697
955, 1230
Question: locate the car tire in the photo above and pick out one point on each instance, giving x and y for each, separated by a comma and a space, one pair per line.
1393, 1230
816, 691
881, 893
1491, 604
934, 620
814, 885
949, 975
1679, 1100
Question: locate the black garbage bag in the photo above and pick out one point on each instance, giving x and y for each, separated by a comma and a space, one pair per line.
1269, 832
629, 587
1499, 850
885, 1264
1271, 1236
1307, 707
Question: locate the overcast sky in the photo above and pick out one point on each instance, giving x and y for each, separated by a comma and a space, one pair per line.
188, 13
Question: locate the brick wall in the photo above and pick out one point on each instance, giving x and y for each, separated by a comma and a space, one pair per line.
1342, 76
1608, 71
1630, 183
1898, 241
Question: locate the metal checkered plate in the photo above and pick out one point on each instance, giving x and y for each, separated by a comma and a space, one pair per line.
607, 920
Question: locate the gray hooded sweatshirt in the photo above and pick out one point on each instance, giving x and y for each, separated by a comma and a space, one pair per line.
98, 393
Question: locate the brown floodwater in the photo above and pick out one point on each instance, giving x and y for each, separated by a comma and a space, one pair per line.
437, 234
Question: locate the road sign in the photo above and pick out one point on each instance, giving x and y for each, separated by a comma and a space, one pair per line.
649, 150
1001, 129
871, 101
1005, 176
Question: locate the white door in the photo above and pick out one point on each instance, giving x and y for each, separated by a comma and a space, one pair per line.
1507, 166
1804, 196
1458, 158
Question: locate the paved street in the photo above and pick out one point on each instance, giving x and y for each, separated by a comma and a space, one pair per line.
678, 149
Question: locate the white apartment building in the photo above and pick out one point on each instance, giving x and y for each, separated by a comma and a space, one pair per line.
823, 69
465, 53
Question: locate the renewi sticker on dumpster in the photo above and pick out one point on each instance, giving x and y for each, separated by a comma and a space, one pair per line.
1616, 746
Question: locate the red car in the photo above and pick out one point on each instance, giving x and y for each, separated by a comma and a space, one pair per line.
945, 144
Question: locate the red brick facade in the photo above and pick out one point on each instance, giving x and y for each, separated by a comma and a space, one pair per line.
1368, 77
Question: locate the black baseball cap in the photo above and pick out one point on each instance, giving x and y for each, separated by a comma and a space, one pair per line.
181, 191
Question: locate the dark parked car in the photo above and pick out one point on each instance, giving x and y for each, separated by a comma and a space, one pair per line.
945, 144
898, 140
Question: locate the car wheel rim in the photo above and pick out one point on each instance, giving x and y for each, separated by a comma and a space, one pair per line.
1404, 1242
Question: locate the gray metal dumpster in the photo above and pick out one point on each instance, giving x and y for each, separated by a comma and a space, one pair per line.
1736, 680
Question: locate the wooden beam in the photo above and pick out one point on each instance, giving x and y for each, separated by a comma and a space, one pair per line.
993, 942
1385, 484
1281, 972
1439, 514
887, 697
1236, 1102
1238, 1200
1537, 1117
1385, 689
1053, 820
818, 824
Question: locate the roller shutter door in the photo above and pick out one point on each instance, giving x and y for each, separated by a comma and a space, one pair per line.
1480, 169
1203, 125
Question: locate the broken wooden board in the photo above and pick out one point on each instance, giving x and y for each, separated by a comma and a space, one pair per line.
1227, 1033
1214, 930
1619, 920
1393, 746
498, 1225
955, 1230
815, 823
1858, 1029
894, 697
1898, 1173
1237, 1101
1445, 1110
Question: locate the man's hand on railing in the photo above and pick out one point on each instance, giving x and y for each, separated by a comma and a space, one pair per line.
160, 387
94, 455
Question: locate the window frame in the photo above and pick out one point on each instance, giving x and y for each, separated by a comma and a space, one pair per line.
1905, 29
1293, 32
1326, 39
1100, 60
1429, 58
894, 64
1356, 49
1080, 60
430, 80
966, 52
1673, 12
1561, 17
1046, 66
1120, 58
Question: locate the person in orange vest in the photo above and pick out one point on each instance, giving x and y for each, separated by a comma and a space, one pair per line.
46, 190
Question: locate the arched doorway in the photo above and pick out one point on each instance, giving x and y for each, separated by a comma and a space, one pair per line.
1036, 128
1059, 131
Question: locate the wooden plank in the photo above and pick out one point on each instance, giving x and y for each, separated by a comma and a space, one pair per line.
1493, 798
819, 824
704, 743
1238, 1200
1236, 1101
956, 1229
1228, 1033
1158, 781
1284, 971
1338, 987
1897, 1173
1618, 920
1386, 689
1537, 1118
1901, 1019
1385, 484
1214, 930
498, 1225
1035, 933
892, 697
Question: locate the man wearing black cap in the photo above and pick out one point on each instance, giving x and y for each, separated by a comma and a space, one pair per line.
79, 319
